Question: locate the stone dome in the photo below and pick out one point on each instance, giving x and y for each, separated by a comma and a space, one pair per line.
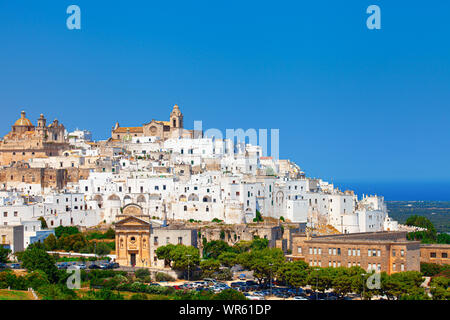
23, 121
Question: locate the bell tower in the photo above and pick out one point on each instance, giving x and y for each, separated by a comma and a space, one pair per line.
176, 117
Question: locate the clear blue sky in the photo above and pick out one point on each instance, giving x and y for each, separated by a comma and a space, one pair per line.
351, 104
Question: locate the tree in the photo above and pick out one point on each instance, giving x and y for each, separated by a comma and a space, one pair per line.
4, 254
293, 273
228, 259
38, 259
214, 248
432, 269
102, 249
259, 244
320, 279
43, 223
179, 257
264, 263
110, 234
60, 231
165, 253
50, 243
37, 278
229, 294
258, 217
439, 288
209, 267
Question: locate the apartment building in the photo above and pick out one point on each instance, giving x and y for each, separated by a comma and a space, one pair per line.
383, 251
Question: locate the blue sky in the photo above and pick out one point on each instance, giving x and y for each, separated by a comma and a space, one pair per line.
351, 104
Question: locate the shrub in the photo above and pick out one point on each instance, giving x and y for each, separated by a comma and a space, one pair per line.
161, 276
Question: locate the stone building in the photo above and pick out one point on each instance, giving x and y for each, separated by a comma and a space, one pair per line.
12, 237
384, 251
21, 177
25, 141
435, 253
163, 129
138, 238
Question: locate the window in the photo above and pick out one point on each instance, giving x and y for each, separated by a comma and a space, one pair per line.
444, 255
155, 241
379, 267
5, 214
320, 250
329, 251
393, 253
379, 253
310, 250
339, 251
334, 251
315, 250
393, 266
299, 249
167, 240
369, 252
432, 254
402, 267
15, 213
402, 252
180, 240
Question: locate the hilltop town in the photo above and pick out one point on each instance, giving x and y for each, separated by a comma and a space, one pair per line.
159, 183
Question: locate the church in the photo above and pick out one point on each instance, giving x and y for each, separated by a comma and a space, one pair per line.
155, 128
25, 141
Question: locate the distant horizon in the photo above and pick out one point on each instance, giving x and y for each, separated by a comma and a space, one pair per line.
399, 190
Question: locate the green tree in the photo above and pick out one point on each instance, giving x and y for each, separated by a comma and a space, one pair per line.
43, 223
293, 273
102, 249
60, 231
439, 288
228, 259
37, 279
214, 248
209, 267
258, 217
320, 279
4, 254
38, 259
165, 253
264, 263
259, 244
50, 243
229, 294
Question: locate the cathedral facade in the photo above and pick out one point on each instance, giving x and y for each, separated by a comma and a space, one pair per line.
155, 128
26, 141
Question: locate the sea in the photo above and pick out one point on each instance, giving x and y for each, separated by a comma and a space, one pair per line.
400, 190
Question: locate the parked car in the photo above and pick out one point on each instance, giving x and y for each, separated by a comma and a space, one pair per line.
15, 266
114, 265
3, 266
94, 266
300, 298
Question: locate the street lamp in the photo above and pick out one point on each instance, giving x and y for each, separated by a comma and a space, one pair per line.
270, 264
364, 285
317, 283
188, 255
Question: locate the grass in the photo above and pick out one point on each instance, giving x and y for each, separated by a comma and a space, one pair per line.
15, 295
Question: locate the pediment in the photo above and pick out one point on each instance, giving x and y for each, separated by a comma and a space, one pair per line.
132, 221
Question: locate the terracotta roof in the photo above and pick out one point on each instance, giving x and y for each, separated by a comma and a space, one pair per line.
130, 129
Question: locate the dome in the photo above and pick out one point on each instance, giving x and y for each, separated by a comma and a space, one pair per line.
23, 121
